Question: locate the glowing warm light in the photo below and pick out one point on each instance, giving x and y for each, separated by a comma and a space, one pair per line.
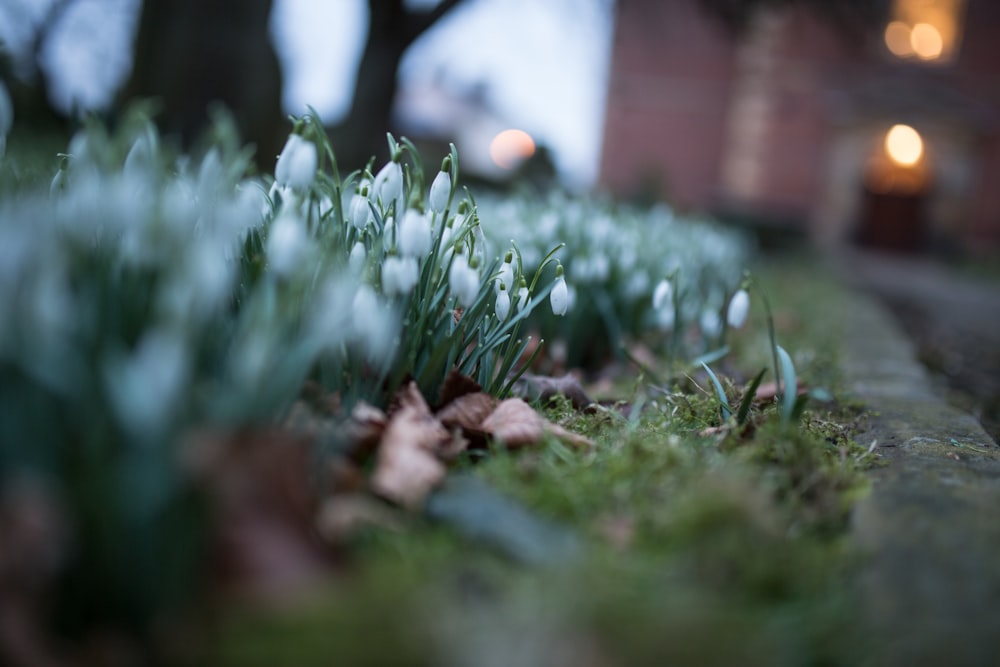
904, 145
898, 37
926, 41
511, 147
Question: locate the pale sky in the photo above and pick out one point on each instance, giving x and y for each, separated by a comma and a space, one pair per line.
545, 61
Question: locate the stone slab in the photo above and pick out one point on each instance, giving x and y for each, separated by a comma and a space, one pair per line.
931, 525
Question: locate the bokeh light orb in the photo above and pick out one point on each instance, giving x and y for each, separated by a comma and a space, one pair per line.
926, 41
904, 145
511, 147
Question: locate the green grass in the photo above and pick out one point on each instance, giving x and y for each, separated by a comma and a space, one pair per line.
697, 550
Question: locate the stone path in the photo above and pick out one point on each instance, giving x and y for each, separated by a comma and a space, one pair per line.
932, 522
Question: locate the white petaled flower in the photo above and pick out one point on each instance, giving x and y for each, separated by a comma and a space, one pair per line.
415, 234
297, 163
665, 318
399, 275
710, 323
389, 183
739, 306
559, 296
463, 280
440, 191
503, 304
146, 386
286, 243
357, 256
662, 295
522, 295
506, 277
360, 212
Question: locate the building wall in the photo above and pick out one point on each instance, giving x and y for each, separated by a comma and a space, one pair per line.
783, 122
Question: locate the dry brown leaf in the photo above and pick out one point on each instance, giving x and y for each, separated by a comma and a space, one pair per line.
517, 424
543, 387
467, 412
340, 517
455, 386
769, 390
407, 468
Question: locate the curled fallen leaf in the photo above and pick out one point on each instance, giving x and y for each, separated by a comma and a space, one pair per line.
542, 388
407, 467
468, 411
517, 424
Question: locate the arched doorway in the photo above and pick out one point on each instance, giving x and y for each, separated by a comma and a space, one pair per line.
897, 181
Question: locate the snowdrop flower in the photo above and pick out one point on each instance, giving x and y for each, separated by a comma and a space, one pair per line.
522, 295
710, 323
663, 296
146, 385
360, 212
665, 318
441, 187
389, 183
506, 277
463, 280
297, 163
739, 306
503, 303
415, 234
399, 275
371, 324
559, 296
356, 260
286, 243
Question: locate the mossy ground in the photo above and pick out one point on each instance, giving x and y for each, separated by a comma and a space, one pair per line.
719, 549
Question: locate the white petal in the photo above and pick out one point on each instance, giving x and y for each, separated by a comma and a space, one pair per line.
559, 297
739, 306
440, 190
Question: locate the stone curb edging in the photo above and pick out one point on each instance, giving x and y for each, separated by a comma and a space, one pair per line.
931, 524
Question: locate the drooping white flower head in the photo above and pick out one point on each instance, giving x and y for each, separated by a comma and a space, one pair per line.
503, 303
463, 280
739, 306
710, 323
559, 296
360, 212
441, 187
663, 295
356, 260
286, 243
522, 295
297, 163
389, 184
506, 277
415, 234
399, 275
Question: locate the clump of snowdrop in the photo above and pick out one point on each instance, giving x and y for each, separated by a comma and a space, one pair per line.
615, 261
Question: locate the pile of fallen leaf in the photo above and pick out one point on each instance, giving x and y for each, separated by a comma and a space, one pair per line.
285, 498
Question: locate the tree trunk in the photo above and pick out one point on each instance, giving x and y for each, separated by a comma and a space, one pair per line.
392, 29
191, 54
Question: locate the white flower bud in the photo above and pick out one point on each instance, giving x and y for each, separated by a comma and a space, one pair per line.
522, 295
297, 163
360, 212
506, 277
415, 234
286, 244
357, 257
662, 296
739, 306
463, 281
503, 303
389, 183
440, 191
399, 275
559, 296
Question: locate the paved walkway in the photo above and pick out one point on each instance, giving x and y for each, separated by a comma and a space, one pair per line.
932, 522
